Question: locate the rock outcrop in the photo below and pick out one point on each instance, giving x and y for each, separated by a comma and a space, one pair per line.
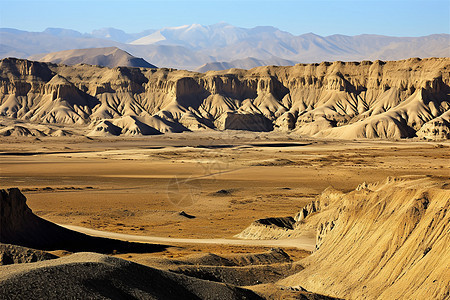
436, 129
13, 254
348, 100
307, 210
269, 228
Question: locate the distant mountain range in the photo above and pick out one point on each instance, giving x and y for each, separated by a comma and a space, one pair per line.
223, 45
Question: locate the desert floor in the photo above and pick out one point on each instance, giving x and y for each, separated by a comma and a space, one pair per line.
225, 179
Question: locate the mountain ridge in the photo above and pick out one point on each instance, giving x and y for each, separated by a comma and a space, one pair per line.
191, 46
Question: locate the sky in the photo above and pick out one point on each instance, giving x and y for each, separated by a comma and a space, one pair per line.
350, 17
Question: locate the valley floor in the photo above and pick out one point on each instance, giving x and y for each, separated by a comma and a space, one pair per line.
224, 179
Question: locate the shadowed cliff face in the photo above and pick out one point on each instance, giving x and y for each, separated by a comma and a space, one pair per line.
342, 100
19, 226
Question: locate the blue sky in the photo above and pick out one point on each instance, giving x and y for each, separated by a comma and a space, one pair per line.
395, 17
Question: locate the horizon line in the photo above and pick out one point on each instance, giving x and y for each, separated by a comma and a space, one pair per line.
222, 22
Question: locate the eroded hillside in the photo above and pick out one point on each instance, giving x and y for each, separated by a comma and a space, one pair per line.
387, 240
397, 99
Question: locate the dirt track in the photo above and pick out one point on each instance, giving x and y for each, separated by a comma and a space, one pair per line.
301, 243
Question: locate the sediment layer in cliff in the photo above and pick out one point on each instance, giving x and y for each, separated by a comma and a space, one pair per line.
395, 99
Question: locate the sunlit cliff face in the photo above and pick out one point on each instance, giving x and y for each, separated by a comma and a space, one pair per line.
344, 100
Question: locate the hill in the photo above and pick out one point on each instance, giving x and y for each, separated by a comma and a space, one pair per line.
107, 57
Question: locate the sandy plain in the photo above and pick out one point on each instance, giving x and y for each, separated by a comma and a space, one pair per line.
225, 180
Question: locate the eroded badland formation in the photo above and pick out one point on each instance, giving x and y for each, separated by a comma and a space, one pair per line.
316, 181
398, 99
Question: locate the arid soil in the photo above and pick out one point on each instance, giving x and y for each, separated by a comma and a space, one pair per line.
140, 186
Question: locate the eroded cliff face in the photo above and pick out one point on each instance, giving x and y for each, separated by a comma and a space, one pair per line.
343, 100
387, 240
384, 240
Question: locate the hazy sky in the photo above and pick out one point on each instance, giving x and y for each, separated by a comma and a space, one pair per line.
395, 17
